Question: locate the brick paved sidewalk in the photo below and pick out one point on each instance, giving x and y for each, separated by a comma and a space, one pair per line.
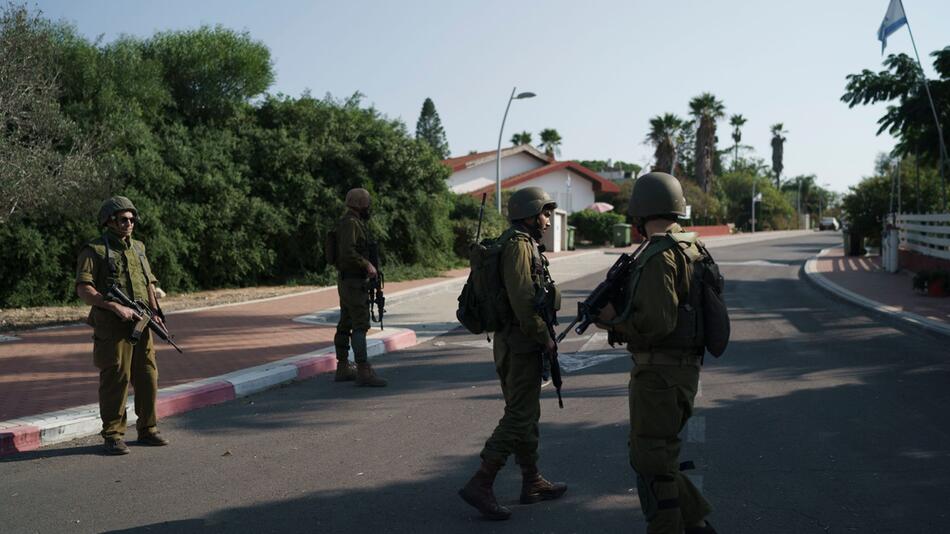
863, 275
51, 369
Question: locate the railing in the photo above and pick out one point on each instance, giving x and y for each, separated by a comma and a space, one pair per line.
927, 234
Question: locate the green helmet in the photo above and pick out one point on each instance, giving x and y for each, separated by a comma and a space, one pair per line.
357, 198
529, 202
114, 205
657, 193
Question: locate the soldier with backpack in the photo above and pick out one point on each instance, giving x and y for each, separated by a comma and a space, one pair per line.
672, 312
509, 279
348, 249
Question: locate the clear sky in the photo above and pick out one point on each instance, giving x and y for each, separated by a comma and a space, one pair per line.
601, 69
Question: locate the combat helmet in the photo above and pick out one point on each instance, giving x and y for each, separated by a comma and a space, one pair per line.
114, 205
529, 202
357, 198
656, 193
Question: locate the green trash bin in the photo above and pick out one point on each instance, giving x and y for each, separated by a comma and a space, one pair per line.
622, 236
570, 237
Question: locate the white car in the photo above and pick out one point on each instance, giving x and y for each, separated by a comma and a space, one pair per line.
829, 223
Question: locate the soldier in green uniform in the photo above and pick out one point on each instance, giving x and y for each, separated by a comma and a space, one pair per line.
116, 258
518, 353
354, 270
665, 377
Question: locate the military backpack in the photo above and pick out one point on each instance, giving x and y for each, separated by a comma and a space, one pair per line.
483, 304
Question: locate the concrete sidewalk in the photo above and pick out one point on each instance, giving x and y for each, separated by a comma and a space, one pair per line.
862, 281
48, 383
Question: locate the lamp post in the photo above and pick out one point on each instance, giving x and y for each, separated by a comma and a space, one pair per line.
500, 133
799, 201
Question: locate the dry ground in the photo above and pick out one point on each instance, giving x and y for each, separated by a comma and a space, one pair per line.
17, 319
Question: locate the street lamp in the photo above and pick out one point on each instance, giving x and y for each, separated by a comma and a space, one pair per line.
500, 133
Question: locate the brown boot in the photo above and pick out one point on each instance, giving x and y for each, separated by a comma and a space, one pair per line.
365, 376
345, 371
535, 488
478, 492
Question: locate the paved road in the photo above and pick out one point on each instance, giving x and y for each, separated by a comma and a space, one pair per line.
818, 419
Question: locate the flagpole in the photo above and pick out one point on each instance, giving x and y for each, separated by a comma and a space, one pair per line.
933, 109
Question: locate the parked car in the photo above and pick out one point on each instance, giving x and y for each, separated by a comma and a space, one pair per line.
829, 223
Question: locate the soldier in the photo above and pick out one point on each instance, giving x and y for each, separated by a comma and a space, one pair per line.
665, 377
116, 258
518, 353
354, 270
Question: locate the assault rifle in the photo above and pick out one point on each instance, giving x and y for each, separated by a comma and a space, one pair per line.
549, 358
147, 316
377, 299
589, 308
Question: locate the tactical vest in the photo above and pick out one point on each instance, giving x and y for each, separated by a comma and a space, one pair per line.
362, 244
125, 266
702, 322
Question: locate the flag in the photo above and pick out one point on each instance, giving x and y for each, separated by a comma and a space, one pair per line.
757, 198
893, 20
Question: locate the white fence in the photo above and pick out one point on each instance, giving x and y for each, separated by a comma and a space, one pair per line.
927, 234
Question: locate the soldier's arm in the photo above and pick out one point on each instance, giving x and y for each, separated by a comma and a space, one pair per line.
655, 301
516, 262
350, 259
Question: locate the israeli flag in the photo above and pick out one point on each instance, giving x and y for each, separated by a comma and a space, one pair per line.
893, 20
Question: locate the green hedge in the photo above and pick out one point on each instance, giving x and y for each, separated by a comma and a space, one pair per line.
594, 226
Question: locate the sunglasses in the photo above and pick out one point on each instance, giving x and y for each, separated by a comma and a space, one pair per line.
125, 220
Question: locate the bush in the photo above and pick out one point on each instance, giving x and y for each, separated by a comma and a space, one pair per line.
593, 226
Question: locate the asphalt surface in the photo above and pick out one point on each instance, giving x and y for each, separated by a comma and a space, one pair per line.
819, 418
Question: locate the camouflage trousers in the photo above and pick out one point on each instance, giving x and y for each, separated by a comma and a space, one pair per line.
661, 402
122, 364
354, 318
519, 370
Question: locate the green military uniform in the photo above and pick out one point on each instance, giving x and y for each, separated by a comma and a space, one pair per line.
120, 363
517, 350
663, 384
352, 286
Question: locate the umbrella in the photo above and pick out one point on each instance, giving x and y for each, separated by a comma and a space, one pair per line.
600, 207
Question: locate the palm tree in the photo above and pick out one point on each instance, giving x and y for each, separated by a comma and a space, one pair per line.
551, 142
707, 109
778, 151
736, 121
523, 138
664, 129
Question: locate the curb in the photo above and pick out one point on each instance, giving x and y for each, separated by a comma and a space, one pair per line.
30, 433
815, 277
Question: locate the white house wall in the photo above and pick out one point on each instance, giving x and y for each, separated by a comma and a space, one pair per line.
555, 183
479, 176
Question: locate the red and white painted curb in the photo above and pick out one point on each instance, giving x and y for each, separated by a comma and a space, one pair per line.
29, 433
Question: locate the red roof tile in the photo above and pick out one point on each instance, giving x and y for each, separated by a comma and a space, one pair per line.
601, 184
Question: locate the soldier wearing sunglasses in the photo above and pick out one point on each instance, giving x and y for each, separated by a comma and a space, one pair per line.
115, 258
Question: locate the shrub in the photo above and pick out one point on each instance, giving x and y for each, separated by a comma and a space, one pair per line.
593, 226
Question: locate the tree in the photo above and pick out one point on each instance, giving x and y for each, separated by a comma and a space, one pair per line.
45, 159
910, 119
737, 122
707, 110
551, 142
523, 138
664, 132
429, 129
778, 151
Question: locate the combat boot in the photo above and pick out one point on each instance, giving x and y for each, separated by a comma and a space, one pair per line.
535, 488
345, 371
366, 376
478, 492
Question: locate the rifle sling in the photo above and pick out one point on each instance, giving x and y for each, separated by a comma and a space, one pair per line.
640, 262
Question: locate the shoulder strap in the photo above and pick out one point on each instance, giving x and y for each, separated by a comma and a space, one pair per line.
109, 259
651, 250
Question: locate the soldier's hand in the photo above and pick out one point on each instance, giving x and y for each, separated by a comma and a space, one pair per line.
158, 320
550, 347
607, 313
124, 313
371, 271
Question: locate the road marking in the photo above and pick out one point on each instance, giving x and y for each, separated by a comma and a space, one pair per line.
697, 481
575, 361
757, 263
696, 430
8, 338
595, 338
